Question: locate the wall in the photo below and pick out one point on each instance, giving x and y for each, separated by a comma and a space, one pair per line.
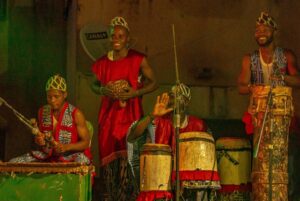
33, 47
210, 36
211, 39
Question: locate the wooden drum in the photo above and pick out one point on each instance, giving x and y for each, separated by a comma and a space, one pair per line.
282, 103
197, 164
234, 164
45, 181
155, 167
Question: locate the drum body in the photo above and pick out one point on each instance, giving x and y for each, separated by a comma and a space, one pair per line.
155, 167
45, 181
234, 165
282, 103
197, 164
272, 151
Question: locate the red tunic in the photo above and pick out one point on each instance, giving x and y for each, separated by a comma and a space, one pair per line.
164, 132
65, 133
114, 120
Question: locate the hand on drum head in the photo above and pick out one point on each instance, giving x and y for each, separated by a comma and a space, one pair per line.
161, 105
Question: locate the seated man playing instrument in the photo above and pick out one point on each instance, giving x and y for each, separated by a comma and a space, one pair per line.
62, 134
158, 128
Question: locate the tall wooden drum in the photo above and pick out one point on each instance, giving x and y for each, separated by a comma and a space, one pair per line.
270, 167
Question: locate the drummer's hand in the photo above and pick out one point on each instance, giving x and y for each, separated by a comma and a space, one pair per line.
40, 139
60, 148
33, 122
161, 105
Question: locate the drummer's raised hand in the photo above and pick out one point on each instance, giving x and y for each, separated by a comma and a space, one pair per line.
161, 105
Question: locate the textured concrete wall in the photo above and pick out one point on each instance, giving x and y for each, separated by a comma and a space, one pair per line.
210, 36
211, 39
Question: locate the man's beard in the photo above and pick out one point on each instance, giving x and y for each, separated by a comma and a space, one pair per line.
266, 43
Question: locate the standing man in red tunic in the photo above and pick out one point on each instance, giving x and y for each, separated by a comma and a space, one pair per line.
123, 76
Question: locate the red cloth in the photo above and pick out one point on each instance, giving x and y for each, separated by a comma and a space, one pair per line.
153, 195
247, 119
165, 134
114, 120
45, 118
198, 175
233, 188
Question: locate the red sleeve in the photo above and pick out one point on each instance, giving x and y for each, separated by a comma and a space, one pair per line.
195, 124
97, 67
40, 118
247, 119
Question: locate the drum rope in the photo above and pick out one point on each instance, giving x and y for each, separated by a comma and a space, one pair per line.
228, 156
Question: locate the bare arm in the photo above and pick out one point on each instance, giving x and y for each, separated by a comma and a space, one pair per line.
97, 88
160, 109
292, 78
83, 136
244, 76
150, 83
149, 86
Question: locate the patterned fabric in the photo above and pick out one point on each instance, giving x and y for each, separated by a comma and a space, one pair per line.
26, 158
279, 67
267, 20
272, 155
118, 180
56, 82
64, 133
